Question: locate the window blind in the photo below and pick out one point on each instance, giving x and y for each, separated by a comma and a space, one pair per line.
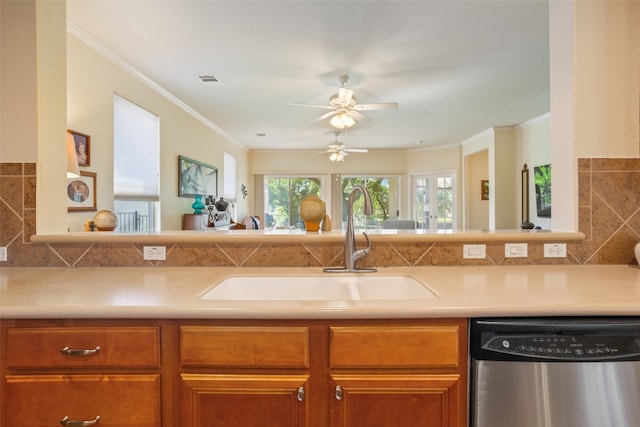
136, 152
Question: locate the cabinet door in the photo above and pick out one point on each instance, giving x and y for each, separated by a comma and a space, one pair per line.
396, 400
119, 400
245, 400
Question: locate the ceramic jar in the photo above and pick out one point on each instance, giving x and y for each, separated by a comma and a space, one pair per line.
222, 205
105, 220
312, 211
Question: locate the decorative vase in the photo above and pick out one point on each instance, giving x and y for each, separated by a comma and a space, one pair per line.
105, 220
198, 206
222, 205
312, 211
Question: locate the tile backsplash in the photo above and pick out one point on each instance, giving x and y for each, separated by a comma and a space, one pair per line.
609, 216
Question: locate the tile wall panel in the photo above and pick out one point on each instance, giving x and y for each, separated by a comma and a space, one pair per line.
609, 216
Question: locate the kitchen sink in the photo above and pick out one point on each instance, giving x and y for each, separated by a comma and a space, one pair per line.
319, 288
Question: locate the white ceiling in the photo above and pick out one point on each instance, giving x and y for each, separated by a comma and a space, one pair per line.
454, 67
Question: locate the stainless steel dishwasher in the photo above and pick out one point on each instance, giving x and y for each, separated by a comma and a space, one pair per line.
555, 372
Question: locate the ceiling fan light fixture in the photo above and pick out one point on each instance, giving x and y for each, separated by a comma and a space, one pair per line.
337, 156
342, 120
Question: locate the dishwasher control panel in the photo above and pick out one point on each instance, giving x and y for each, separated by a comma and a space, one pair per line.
555, 339
566, 347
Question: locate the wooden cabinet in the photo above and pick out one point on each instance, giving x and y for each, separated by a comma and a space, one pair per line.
71, 375
398, 375
244, 376
325, 373
250, 373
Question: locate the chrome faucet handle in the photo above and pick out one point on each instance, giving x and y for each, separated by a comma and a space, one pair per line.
362, 252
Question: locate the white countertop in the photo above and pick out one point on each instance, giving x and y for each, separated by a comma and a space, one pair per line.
174, 293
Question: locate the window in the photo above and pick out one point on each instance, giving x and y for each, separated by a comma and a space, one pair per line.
283, 196
136, 166
384, 193
229, 176
434, 201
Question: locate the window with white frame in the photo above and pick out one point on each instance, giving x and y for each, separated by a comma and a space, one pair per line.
136, 166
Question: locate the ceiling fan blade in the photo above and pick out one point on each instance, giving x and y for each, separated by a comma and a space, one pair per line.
344, 96
359, 117
326, 107
357, 150
325, 116
378, 106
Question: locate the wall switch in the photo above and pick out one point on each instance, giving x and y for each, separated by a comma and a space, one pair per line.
555, 250
474, 251
155, 253
515, 250
3, 254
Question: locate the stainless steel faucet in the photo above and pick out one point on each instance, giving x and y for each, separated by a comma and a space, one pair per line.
351, 255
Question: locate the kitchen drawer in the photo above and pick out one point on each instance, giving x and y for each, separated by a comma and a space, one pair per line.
119, 400
244, 346
118, 347
395, 346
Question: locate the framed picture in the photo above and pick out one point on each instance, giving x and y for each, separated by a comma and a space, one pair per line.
81, 192
83, 147
196, 178
484, 189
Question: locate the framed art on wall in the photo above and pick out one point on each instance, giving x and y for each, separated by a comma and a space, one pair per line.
196, 178
81, 192
83, 147
484, 189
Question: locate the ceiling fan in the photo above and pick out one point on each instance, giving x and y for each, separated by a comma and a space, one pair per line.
338, 151
345, 109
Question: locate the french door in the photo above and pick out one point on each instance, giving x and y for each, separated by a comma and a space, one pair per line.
434, 201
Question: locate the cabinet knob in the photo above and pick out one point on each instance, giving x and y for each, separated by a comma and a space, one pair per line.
71, 423
338, 393
300, 394
78, 352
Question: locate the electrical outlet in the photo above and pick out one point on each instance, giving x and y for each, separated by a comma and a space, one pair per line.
155, 253
515, 250
474, 251
3, 254
555, 250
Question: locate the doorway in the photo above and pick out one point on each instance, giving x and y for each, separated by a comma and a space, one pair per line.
434, 201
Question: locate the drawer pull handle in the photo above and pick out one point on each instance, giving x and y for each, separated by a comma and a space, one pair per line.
338, 393
70, 423
79, 352
300, 394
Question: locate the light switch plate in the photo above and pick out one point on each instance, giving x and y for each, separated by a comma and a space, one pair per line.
515, 250
3, 254
474, 251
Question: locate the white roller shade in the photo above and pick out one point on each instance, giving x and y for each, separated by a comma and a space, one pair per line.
229, 170
136, 151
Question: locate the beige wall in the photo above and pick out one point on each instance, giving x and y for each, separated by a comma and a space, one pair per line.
92, 81
18, 123
607, 78
476, 210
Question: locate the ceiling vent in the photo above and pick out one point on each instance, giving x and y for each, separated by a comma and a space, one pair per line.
210, 79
